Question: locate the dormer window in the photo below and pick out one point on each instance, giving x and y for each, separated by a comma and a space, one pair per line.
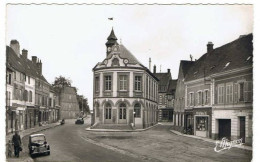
212, 67
227, 64
248, 58
115, 62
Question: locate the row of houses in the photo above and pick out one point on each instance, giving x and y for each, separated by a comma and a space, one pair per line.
214, 94
30, 99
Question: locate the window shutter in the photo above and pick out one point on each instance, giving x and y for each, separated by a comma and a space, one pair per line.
246, 91
208, 98
235, 93
188, 99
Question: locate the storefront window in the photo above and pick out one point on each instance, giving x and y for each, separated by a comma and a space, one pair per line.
202, 123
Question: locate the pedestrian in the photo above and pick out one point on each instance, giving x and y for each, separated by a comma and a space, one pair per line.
17, 143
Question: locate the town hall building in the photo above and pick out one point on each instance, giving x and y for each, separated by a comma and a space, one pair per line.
125, 92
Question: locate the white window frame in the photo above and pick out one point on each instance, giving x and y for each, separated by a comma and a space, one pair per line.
191, 100
229, 92
123, 82
206, 97
222, 95
199, 101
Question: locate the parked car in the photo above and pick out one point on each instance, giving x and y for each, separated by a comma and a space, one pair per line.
62, 122
38, 145
79, 121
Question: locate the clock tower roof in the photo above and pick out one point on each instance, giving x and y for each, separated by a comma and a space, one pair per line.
111, 39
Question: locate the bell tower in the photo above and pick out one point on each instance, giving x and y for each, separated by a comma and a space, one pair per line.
111, 40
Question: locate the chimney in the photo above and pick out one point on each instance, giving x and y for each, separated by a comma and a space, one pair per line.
169, 71
154, 69
16, 47
150, 63
34, 59
210, 47
24, 53
39, 67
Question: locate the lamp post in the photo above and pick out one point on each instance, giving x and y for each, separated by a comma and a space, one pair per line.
134, 118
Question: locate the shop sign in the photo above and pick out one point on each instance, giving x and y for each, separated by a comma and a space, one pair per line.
201, 113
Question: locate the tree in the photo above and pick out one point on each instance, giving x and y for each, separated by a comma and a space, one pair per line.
61, 82
83, 104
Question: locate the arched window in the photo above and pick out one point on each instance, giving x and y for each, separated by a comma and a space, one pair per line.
30, 96
122, 111
115, 62
137, 110
108, 111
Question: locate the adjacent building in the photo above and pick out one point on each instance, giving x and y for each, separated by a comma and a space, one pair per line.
166, 94
69, 104
125, 92
178, 117
27, 91
218, 92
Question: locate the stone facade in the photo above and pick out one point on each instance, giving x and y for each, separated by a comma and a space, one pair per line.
69, 103
218, 92
27, 91
125, 92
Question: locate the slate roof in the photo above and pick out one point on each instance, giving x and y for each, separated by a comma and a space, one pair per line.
235, 54
164, 79
185, 65
111, 39
172, 86
21, 64
125, 54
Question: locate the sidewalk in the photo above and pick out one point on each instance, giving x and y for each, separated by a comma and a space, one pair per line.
209, 140
118, 130
25, 133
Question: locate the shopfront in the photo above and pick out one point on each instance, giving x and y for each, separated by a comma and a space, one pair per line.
202, 122
188, 122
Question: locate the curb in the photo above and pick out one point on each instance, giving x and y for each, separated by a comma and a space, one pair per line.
209, 140
118, 130
40, 130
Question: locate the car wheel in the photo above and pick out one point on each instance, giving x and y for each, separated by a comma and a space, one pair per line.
49, 153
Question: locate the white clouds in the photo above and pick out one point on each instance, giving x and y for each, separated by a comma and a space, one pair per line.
70, 40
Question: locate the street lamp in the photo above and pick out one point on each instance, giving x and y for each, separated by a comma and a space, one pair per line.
134, 118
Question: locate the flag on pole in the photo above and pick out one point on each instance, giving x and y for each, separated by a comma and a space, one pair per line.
110, 18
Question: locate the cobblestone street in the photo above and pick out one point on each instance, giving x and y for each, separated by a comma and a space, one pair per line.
160, 144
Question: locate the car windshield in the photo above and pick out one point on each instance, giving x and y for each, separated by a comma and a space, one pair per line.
38, 139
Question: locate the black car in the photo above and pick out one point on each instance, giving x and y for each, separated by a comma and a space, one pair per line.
38, 145
79, 121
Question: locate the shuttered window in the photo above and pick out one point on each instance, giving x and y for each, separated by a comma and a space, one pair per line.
229, 93
221, 94
235, 93
206, 97
248, 92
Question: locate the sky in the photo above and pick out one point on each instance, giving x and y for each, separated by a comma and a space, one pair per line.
70, 39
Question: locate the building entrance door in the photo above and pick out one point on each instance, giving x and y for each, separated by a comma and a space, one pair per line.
225, 128
122, 114
170, 115
242, 128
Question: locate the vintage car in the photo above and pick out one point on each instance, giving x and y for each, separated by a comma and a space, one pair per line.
38, 145
79, 121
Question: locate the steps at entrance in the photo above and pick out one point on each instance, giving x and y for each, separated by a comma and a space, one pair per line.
113, 126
